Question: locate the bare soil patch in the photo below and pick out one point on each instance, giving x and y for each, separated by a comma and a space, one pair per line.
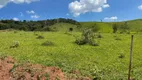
10, 71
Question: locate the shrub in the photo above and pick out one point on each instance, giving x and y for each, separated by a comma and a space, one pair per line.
70, 29
94, 43
115, 28
15, 45
117, 38
54, 29
114, 36
47, 43
128, 32
46, 28
15, 31
121, 32
88, 37
124, 28
96, 73
99, 36
80, 42
40, 37
121, 56
35, 34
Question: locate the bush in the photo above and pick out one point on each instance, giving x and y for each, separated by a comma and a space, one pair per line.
70, 29
80, 42
40, 37
47, 43
15, 31
88, 37
15, 45
46, 28
128, 32
100, 36
121, 56
115, 28
35, 34
94, 43
117, 38
122, 32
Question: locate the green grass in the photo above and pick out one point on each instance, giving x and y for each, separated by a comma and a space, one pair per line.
63, 27
100, 61
134, 25
104, 27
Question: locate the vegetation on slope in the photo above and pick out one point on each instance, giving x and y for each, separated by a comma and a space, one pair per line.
108, 61
43, 25
62, 24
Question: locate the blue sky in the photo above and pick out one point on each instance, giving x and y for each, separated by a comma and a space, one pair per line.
80, 10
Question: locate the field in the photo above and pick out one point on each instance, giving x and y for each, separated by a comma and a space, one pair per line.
134, 25
108, 61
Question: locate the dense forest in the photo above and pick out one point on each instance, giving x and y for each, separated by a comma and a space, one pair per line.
42, 25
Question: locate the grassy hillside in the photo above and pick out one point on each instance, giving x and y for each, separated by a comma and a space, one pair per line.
63, 27
104, 27
134, 25
108, 61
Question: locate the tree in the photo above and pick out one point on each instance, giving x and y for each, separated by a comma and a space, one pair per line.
124, 27
34, 25
115, 28
70, 29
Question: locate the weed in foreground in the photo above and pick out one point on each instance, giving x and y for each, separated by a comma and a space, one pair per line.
15, 44
40, 37
47, 43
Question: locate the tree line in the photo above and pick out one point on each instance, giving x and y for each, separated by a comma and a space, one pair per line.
42, 25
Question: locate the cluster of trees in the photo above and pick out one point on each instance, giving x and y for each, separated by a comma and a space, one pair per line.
43, 25
121, 27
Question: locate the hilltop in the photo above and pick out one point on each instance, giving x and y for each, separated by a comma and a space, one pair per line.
134, 25
62, 24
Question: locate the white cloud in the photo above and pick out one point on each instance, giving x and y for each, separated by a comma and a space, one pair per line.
15, 19
84, 6
140, 7
111, 18
106, 6
5, 2
35, 16
1, 6
31, 12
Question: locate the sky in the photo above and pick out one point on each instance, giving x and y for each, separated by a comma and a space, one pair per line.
80, 10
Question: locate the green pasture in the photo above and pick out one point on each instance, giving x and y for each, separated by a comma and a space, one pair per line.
108, 61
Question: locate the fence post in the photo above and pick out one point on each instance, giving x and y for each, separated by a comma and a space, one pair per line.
131, 55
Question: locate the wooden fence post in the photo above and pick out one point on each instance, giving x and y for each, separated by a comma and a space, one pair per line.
131, 55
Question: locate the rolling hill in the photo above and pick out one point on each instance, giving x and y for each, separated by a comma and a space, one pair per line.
134, 25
